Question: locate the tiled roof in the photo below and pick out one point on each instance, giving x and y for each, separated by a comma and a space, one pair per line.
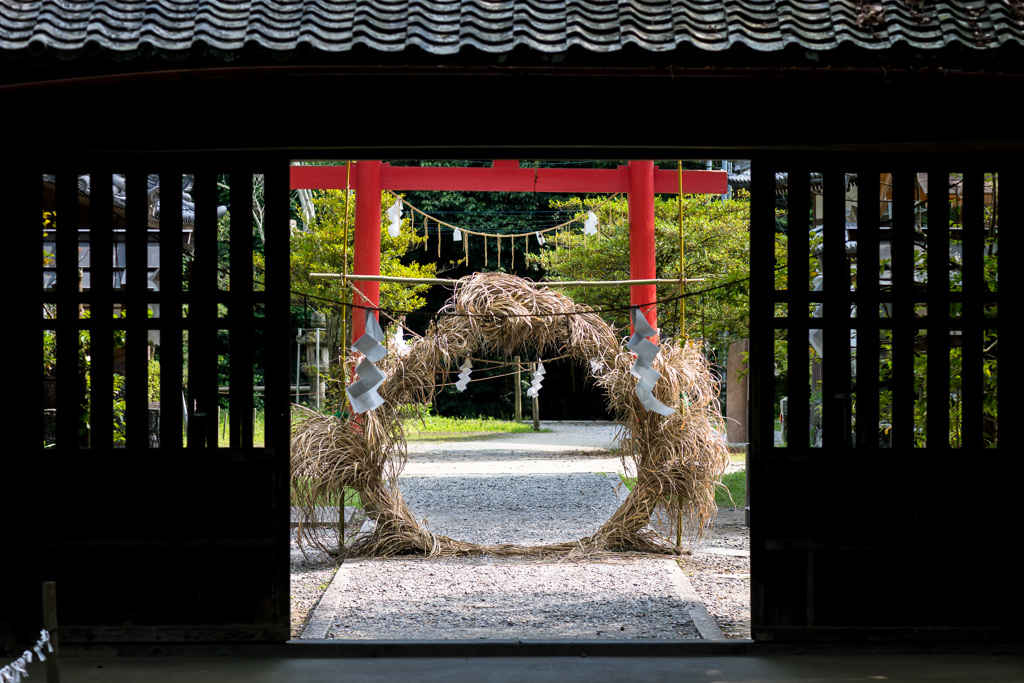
229, 28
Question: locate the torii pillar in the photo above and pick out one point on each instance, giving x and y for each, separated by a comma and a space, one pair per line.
367, 242
641, 237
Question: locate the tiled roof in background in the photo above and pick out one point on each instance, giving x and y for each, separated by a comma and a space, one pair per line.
229, 28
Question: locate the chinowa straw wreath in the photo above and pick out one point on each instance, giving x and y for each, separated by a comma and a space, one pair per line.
678, 459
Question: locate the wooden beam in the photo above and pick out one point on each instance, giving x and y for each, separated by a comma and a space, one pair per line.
508, 178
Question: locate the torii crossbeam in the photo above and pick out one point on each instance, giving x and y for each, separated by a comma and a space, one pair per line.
640, 180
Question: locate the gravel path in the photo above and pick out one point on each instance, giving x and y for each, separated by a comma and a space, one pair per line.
509, 599
525, 489
525, 509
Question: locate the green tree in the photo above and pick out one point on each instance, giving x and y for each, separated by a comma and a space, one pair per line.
318, 246
716, 248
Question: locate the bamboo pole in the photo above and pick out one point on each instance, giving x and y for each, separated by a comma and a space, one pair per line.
681, 314
344, 279
519, 394
446, 281
344, 336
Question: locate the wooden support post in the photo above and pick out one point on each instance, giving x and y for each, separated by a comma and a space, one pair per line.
199, 433
50, 624
536, 406
519, 394
341, 522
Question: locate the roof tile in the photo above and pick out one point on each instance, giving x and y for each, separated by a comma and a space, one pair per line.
445, 27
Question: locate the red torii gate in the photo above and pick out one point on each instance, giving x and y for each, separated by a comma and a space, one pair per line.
640, 180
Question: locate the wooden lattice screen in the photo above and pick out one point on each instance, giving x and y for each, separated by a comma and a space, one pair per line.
858, 536
152, 534
897, 424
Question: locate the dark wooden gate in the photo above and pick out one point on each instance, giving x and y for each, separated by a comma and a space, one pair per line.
152, 535
890, 528
888, 512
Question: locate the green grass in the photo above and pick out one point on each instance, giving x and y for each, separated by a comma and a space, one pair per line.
224, 419
437, 428
735, 482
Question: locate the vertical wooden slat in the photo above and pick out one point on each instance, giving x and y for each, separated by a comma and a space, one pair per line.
867, 299
836, 319
799, 258
100, 297
170, 323
902, 320
202, 316
762, 276
276, 399
66, 296
20, 191
136, 307
278, 371
1010, 374
972, 297
937, 428
240, 313
760, 412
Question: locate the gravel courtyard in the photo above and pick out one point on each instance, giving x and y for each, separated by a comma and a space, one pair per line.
525, 489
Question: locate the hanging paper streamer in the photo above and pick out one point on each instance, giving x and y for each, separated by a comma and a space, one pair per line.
395, 214
15, 671
398, 340
538, 376
466, 369
590, 225
646, 375
540, 238
362, 394
456, 235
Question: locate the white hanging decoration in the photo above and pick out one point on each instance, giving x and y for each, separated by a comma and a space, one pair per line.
538, 376
463, 380
456, 235
362, 394
13, 672
590, 225
540, 238
642, 369
398, 341
395, 214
